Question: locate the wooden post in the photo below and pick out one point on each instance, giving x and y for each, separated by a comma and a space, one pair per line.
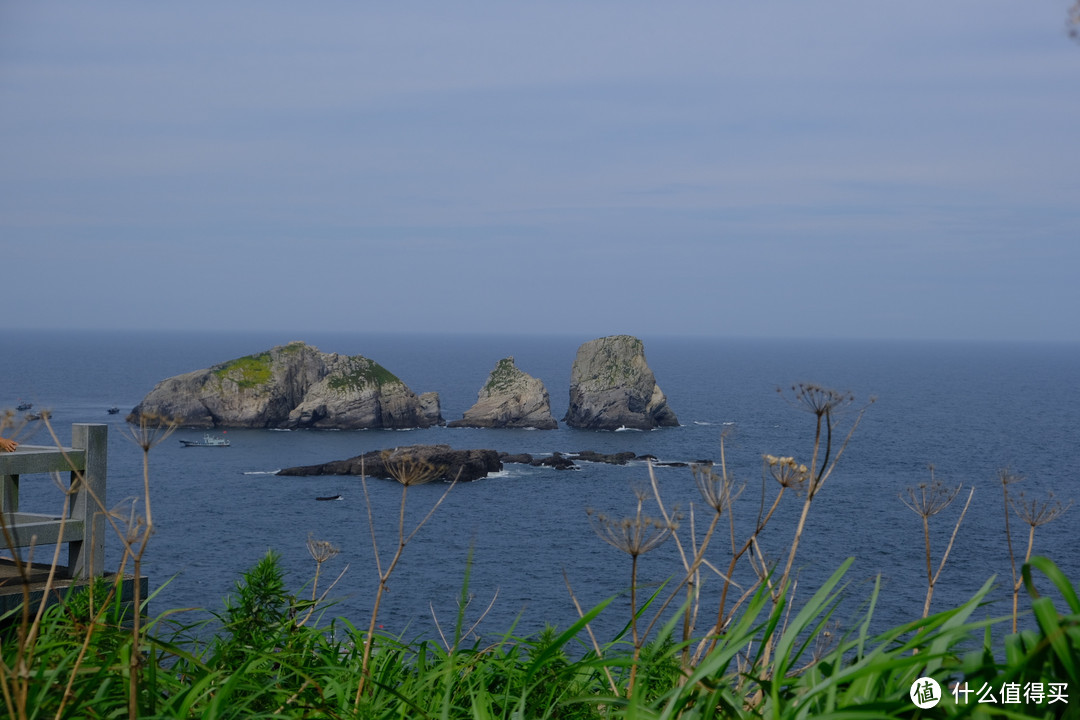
9, 494
86, 556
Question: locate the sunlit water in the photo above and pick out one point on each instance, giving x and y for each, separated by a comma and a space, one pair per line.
969, 409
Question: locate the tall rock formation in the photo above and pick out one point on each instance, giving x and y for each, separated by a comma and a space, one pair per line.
510, 399
291, 386
611, 386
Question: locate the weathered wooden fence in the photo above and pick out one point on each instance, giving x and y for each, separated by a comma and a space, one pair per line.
82, 527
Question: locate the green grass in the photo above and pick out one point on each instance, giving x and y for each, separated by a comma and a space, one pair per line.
359, 373
250, 371
503, 377
263, 661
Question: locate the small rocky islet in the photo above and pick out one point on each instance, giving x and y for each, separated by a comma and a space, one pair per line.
462, 465
296, 386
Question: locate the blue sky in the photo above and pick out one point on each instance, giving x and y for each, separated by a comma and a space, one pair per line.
782, 169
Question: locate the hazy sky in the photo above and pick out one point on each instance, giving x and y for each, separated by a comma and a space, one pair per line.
788, 169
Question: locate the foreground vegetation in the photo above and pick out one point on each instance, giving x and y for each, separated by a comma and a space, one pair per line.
269, 661
689, 650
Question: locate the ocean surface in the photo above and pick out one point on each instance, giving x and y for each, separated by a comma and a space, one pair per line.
969, 409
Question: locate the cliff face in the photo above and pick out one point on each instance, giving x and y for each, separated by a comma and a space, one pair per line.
291, 386
510, 399
611, 386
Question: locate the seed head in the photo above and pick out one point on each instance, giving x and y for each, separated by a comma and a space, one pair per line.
1007, 477
410, 471
928, 499
321, 550
635, 536
716, 490
818, 400
786, 471
1036, 512
151, 430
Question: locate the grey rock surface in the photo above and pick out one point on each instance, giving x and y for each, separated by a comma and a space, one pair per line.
291, 386
612, 387
510, 398
445, 462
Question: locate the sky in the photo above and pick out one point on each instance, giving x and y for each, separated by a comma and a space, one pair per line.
832, 169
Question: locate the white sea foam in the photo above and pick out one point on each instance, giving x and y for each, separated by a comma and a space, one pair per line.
262, 472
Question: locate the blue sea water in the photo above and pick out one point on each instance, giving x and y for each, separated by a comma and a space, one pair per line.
967, 408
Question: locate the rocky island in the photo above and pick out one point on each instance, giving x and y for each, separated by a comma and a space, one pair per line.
462, 465
510, 399
291, 386
612, 387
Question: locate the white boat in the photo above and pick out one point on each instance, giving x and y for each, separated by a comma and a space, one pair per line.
208, 440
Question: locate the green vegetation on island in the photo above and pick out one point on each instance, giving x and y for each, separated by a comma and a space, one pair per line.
247, 372
503, 377
359, 373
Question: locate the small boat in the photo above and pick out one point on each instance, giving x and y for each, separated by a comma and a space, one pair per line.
24, 406
329, 497
114, 410
208, 440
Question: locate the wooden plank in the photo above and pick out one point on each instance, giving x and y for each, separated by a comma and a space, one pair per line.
27, 460
12, 590
46, 532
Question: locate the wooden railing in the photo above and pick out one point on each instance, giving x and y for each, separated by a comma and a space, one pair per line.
83, 527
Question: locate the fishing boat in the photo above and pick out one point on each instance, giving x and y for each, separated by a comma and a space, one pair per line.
208, 440
24, 406
114, 410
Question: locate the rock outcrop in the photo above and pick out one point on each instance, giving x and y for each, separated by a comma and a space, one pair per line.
291, 386
612, 387
464, 465
510, 399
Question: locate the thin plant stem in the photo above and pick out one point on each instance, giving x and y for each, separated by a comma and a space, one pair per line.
407, 474
941, 566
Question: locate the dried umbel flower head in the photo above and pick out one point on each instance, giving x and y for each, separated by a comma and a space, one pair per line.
1007, 477
635, 536
321, 550
410, 471
928, 499
151, 430
716, 489
129, 524
786, 471
818, 400
1037, 512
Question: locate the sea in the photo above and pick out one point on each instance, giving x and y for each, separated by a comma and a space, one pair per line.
518, 550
